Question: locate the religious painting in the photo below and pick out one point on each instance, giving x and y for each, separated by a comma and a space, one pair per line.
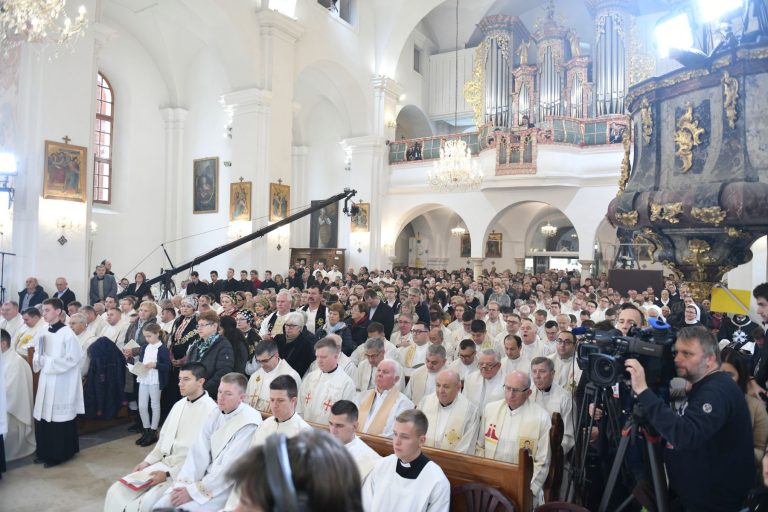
240, 201
323, 231
65, 171
493, 245
466, 246
361, 218
205, 183
279, 201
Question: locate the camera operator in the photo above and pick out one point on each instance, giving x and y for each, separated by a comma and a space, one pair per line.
709, 444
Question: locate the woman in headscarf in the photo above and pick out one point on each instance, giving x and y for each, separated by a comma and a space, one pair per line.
245, 326
228, 304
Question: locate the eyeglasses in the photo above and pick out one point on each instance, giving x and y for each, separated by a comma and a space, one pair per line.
564, 342
508, 389
204, 325
486, 366
262, 361
416, 331
291, 325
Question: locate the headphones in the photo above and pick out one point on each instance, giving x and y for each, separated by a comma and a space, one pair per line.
280, 478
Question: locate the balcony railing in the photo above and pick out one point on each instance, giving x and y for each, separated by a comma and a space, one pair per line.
427, 148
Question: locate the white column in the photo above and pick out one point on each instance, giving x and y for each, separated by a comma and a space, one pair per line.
175, 119
300, 195
385, 95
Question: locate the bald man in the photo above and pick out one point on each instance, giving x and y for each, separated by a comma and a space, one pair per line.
453, 419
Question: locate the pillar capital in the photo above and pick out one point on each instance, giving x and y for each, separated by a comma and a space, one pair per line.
175, 117
386, 85
272, 23
247, 101
367, 142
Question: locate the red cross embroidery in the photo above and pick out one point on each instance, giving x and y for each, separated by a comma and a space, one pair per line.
491, 434
327, 404
308, 398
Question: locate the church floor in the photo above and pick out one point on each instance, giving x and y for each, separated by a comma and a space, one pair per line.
80, 484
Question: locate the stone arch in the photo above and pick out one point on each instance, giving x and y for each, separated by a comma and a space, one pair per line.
412, 123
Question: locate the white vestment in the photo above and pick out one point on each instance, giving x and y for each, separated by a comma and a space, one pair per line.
26, 335
536, 349
567, 373
364, 456
412, 356
96, 327
86, 339
345, 363
500, 337
257, 393
452, 427
494, 328
421, 384
557, 400
60, 389
20, 436
401, 404
358, 355
13, 325
505, 432
320, 390
223, 438
180, 430
462, 369
481, 391
521, 364
401, 340
116, 332
366, 376
427, 490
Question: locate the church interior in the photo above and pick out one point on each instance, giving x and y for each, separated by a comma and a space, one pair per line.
487, 135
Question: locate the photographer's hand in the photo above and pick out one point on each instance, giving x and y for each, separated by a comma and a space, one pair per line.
637, 372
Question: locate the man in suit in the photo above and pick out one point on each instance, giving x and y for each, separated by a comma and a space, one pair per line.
102, 286
195, 285
379, 311
32, 295
63, 293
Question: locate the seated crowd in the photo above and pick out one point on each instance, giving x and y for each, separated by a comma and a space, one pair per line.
475, 365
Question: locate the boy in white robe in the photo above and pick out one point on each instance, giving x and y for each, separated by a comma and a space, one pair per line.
343, 425
180, 430
202, 482
453, 420
20, 437
270, 367
407, 479
321, 388
380, 406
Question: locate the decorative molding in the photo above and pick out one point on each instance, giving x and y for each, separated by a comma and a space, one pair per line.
625, 165
646, 120
666, 212
628, 219
730, 98
687, 137
710, 215
474, 89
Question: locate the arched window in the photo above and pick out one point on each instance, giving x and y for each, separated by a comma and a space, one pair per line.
102, 146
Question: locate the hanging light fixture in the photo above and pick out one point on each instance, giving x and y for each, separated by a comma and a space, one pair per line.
39, 22
458, 231
548, 230
455, 170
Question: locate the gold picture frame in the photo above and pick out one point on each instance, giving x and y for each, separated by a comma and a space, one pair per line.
205, 185
240, 201
65, 171
279, 201
360, 223
493, 245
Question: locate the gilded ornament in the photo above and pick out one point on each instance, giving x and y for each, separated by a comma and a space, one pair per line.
699, 256
646, 120
648, 237
473, 89
730, 98
642, 64
666, 212
733, 232
522, 52
711, 215
673, 268
683, 76
625, 165
629, 219
687, 137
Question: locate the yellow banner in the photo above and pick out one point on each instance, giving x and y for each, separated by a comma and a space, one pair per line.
724, 303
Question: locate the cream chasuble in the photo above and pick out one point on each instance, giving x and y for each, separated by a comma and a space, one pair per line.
320, 390
453, 427
20, 438
257, 392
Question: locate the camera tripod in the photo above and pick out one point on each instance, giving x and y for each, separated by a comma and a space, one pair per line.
636, 427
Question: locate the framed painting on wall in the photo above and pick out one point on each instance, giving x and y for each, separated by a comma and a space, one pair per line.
493, 245
360, 222
240, 201
323, 231
466, 246
279, 201
65, 171
205, 185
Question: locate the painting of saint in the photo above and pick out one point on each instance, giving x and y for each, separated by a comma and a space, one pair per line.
359, 221
240, 201
205, 182
466, 246
279, 201
64, 166
493, 245
323, 231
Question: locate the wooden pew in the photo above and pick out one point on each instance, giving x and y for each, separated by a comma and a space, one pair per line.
555, 476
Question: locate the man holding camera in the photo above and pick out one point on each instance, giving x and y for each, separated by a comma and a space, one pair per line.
709, 444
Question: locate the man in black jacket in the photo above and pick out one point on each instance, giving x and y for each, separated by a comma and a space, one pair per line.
195, 285
32, 295
216, 286
379, 311
296, 344
709, 453
231, 284
63, 293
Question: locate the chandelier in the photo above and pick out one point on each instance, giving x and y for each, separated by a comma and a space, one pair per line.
548, 230
38, 21
455, 170
458, 231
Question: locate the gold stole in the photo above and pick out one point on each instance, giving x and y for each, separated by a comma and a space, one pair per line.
380, 420
410, 353
454, 428
254, 392
220, 439
527, 432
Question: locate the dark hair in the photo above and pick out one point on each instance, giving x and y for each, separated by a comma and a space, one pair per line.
477, 326
196, 369
345, 407
33, 311
518, 340
266, 346
468, 343
5, 336
415, 416
761, 291
54, 302
375, 327
739, 363
550, 324
285, 383
469, 314
322, 472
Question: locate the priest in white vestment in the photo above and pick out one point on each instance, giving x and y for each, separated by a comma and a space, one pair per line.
79, 326
10, 318
414, 355
358, 355
532, 345
548, 394
59, 398
379, 406
466, 360
512, 322
321, 388
20, 436
485, 385
453, 420
202, 482
116, 327
345, 362
514, 423
271, 366
343, 425
374, 352
514, 360
402, 336
438, 337
567, 371
180, 430
407, 479
422, 382
25, 335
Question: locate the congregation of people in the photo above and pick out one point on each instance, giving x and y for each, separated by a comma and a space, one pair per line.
475, 365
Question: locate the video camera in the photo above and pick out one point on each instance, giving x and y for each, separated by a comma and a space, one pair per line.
603, 355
